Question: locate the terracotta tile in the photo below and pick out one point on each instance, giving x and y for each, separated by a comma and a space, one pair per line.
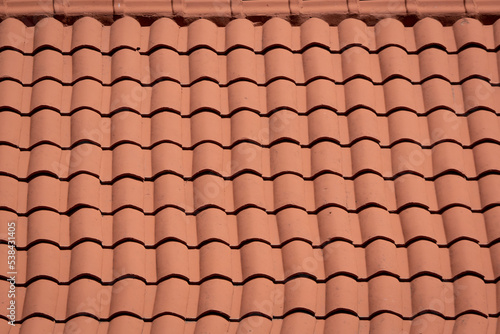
468, 31
168, 321
48, 32
243, 95
172, 259
300, 294
126, 95
341, 258
298, 258
241, 64
399, 93
82, 295
314, 31
326, 191
32, 325
392, 291
479, 67
438, 93
285, 157
202, 33
87, 94
485, 157
169, 191
84, 190
393, 62
127, 295
128, 224
452, 189
246, 157
83, 158
171, 297
256, 260
356, 63
13, 34
459, 223
248, 191
47, 64
41, 297
240, 32
342, 322
325, 156
44, 260
12, 65
254, 324
86, 32
215, 260
125, 324
85, 223
277, 98
129, 259
215, 295
86, 260
429, 31
125, 64
318, 94
252, 223
470, 294
434, 63
410, 190
277, 32
11, 96
479, 95
211, 323
490, 217
352, 31
163, 32
365, 156
124, 33
446, 157
390, 32
483, 124
206, 126
211, 225
203, 64
468, 322
288, 191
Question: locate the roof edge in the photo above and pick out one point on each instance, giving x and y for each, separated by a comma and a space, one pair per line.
222, 11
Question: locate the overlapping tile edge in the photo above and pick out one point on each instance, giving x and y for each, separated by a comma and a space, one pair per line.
389, 215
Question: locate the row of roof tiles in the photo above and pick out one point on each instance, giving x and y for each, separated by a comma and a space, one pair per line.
248, 189
252, 224
206, 95
242, 33
384, 294
363, 156
255, 259
293, 323
301, 68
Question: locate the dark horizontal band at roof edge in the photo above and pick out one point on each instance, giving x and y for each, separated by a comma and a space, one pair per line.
222, 11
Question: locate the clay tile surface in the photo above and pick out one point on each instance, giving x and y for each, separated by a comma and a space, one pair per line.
250, 176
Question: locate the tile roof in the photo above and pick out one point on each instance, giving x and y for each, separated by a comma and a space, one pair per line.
251, 179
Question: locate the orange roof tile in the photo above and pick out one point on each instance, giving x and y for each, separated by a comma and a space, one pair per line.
271, 178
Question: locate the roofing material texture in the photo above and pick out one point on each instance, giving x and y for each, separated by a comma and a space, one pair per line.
293, 179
